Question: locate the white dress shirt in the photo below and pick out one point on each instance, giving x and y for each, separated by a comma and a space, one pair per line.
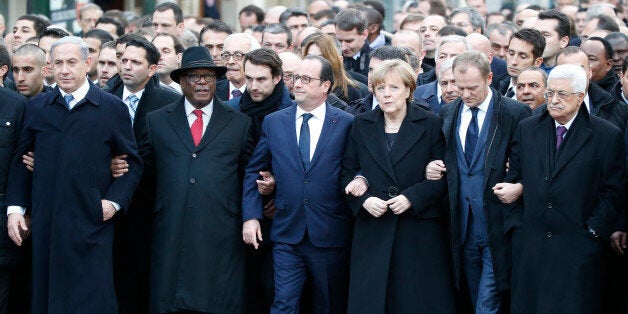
566, 125
207, 113
465, 119
78, 94
586, 101
125, 98
315, 123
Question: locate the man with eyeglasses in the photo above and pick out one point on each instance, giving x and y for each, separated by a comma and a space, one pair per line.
570, 166
289, 63
196, 150
235, 47
304, 145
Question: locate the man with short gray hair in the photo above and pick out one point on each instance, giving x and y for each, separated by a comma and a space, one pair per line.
235, 47
468, 19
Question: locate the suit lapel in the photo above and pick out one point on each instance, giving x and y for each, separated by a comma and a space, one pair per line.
375, 141
217, 123
580, 133
179, 122
410, 132
543, 142
290, 125
329, 126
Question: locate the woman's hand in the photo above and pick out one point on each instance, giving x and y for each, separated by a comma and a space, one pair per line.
399, 204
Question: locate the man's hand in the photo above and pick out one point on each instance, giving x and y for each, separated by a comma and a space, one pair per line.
251, 232
508, 192
435, 170
375, 206
266, 185
119, 166
29, 160
107, 210
357, 187
618, 241
398, 204
269, 209
17, 226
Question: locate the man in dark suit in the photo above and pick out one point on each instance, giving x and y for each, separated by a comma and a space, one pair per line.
478, 128
75, 131
196, 150
235, 47
352, 33
304, 145
571, 165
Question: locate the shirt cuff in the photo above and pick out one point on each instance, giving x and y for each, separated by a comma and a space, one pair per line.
365, 180
16, 210
115, 205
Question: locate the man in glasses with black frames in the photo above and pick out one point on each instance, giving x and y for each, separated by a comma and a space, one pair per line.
235, 47
196, 150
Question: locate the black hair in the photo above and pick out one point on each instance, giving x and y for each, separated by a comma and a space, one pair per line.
152, 53
608, 49
110, 20
532, 37
564, 27
178, 14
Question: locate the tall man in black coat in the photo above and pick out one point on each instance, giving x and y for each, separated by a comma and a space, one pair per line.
479, 248
352, 33
571, 165
196, 150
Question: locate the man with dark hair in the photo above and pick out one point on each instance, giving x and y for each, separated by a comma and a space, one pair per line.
213, 37
600, 55
432, 7
352, 32
170, 49
377, 5
88, 15
94, 39
554, 26
5, 66
107, 67
499, 35
321, 17
250, 16
303, 244
277, 37
600, 26
168, 18
375, 36
619, 42
45, 42
429, 28
111, 26
29, 68
26, 27
295, 19
531, 86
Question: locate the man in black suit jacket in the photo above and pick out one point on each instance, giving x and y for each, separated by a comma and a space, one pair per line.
196, 150
571, 165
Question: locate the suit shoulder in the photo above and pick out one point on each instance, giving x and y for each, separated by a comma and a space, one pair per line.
515, 107
167, 94
604, 128
343, 115
11, 95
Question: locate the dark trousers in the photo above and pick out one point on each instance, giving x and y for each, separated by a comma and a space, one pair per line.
260, 287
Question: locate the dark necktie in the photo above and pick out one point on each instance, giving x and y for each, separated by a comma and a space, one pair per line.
472, 135
68, 99
304, 141
560, 133
197, 127
236, 93
510, 92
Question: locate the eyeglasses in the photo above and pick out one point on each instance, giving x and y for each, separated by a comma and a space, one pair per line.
288, 77
562, 95
238, 56
304, 79
209, 78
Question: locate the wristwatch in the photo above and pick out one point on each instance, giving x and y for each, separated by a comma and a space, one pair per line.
593, 232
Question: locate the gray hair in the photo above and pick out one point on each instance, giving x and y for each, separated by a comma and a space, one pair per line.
453, 39
71, 40
412, 58
188, 39
599, 8
572, 72
245, 37
446, 66
88, 7
31, 49
477, 21
278, 28
501, 28
475, 59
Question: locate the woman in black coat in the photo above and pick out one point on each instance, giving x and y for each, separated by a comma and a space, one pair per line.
399, 261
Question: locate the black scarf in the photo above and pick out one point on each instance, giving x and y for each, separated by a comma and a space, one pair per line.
258, 110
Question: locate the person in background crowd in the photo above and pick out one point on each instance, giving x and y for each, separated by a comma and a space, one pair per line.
619, 43
531, 86
554, 26
277, 37
600, 54
428, 29
236, 46
351, 32
27, 27
45, 42
468, 19
170, 51
106, 67
213, 37
88, 15
168, 18
29, 69
94, 40
289, 63
295, 20
111, 26
447, 81
250, 16
499, 35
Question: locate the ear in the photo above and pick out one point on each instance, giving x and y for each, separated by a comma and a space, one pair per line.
538, 61
88, 62
373, 28
179, 58
609, 65
490, 57
180, 28
276, 79
489, 78
3, 70
564, 42
152, 69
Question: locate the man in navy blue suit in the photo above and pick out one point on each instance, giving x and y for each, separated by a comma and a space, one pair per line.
304, 145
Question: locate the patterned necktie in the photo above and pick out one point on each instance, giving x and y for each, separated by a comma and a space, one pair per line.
510, 92
133, 100
197, 127
68, 99
560, 133
236, 93
472, 135
304, 141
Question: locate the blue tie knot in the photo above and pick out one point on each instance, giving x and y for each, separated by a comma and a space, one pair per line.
68, 98
306, 117
133, 101
474, 112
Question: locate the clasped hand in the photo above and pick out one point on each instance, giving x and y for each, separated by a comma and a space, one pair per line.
377, 207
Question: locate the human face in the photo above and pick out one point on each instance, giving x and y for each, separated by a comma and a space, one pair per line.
499, 44
289, 66
297, 24
373, 63
106, 65
620, 52
88, 19
429, 28
579, 58
424, 8
351, 41
235, 68
246, 21
519, 57
448, 50
329, 29
411, 41
214, 42
597, 59
69, 68
94, 50
165, 22
392, 95
199, 93
530, 89
563, 110
119, 52
553, 42
448, 87
22, 31
581, 20
28, 73
310, 96
314, 50
109, 28
589, 28
473, 88
495, 19
169, 59
45, 43
135, 71
478, 5
259, 81
276, 42
525, 15
462, 21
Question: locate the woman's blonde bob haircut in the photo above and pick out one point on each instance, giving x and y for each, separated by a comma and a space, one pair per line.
397, 68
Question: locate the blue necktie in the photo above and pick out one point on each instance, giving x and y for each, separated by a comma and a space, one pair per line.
68, 99
472, 136
236, 93
304, 141
133, 100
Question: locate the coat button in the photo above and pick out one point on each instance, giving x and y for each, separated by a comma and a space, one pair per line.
546, 178
194, 155
8, 123
549, 234
306, 181
192, 180
306, 201
549, 205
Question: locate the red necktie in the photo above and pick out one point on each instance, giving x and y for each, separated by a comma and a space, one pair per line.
197, 127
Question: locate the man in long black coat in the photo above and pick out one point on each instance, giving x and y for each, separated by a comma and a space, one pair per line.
74, 131
571, 165
196, 149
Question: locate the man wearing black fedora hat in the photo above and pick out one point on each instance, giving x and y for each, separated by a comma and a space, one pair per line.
196, 149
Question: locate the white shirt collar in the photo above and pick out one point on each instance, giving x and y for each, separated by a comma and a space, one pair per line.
189, 108
78, 94
586, 101
233, 87
378, 42
126, 93
439, 91
484, 105
568, 124
319, 112
375, 103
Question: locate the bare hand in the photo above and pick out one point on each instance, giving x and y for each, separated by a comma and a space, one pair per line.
269, 209
618, 241
119, 166
18, 228
251, 232
375, 206
266, 185
398, 204
107, 210
357, 187
435, 170
29, 160
508, 192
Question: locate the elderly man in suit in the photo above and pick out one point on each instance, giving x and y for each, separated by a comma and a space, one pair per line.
303, 145
196, 150
75, 131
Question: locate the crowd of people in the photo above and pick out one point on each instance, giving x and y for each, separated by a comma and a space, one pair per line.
315, 162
